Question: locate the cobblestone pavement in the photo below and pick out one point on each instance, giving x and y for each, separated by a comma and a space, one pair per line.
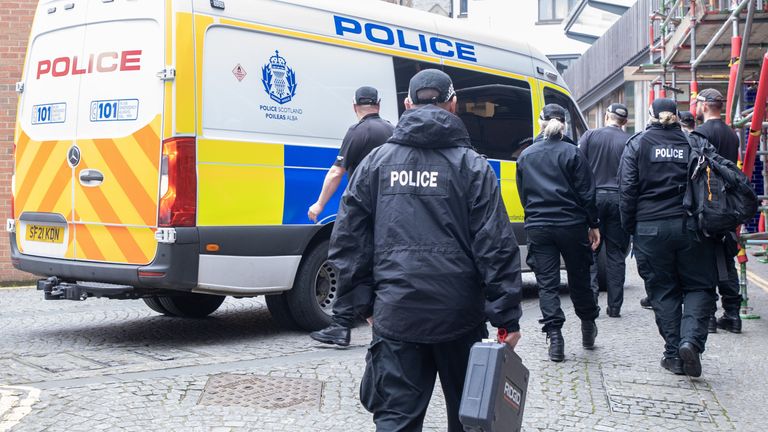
115, 365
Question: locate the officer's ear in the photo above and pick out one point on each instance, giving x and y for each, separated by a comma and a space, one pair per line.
408, 103
452, 104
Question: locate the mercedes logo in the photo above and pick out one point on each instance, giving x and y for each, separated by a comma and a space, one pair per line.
73, 156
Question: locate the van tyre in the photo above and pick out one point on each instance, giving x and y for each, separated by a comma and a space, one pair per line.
191, 305
280, 311
314, 285
154, 304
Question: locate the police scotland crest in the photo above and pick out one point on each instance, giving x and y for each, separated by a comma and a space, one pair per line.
278, 79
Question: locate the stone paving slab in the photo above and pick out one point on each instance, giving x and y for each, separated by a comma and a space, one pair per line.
115, 365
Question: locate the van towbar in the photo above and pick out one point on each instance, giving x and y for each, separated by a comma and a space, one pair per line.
56, 289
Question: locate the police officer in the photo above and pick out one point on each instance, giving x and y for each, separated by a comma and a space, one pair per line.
422, 229
558, 194
368, 133
678, 266
726, 142
687, 121
602, 148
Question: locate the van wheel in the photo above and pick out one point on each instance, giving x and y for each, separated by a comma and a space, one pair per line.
154, 304
192, 305
281, 313
314, 290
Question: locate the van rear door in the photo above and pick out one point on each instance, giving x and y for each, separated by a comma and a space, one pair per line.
108, 146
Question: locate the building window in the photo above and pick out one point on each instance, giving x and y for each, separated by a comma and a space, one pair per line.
554, 11
463, 8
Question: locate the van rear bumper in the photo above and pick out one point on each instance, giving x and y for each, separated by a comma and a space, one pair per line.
176, 266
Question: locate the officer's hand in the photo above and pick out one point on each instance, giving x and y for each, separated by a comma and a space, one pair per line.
314, 211
594, 238
512, 339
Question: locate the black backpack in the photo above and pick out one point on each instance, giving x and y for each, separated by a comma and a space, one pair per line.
718, 196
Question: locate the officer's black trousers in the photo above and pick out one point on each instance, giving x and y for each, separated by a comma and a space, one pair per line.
545, 245
400, 376
680, 275
615, 241
730, 295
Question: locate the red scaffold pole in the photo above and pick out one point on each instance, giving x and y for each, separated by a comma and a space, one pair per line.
756, 127
735, 53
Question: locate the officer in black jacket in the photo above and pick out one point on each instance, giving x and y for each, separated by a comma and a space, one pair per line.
726, 142
558, 194
603, 147
422, 230
678, 266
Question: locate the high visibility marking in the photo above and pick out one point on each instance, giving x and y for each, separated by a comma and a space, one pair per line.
36, 175
149, 142
56, 190
129, 247
185, 74
87, 244
126, 179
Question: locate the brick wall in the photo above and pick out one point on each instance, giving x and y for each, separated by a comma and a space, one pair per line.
15, 22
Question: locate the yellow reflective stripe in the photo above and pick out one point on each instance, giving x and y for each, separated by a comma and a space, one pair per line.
509, 191
185, 74
168, 86
240, 195
202, 22
537, 98
239, 152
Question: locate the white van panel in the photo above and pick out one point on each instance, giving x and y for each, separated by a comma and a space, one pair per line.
326, 78
116, 104
49, 103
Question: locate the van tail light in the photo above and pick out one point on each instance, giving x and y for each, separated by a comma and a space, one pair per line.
178, 184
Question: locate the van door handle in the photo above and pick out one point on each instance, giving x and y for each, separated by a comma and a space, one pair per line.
91, 177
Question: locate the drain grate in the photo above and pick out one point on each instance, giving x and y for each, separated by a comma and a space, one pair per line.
252, 391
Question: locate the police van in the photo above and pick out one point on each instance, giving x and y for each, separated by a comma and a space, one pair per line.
168, 150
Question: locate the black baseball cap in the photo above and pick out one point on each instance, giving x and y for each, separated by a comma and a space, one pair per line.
618, 109
366, 96
552, 111
710, 95
431, 79
686, 118
662, 105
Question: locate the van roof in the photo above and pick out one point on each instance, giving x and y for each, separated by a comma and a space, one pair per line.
377, 10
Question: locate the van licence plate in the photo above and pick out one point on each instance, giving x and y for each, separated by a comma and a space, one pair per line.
45, 233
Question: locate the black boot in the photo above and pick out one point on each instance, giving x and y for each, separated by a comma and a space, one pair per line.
333, 334
691, 360
613, 312
673, 364
645, 303
588, 333
712, 325
730, 322
556, 345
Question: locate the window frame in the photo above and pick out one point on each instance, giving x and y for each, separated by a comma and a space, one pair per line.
554, 19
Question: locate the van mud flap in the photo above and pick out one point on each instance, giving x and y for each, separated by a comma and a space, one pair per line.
55, 289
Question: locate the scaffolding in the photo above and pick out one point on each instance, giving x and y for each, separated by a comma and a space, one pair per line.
720, 43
